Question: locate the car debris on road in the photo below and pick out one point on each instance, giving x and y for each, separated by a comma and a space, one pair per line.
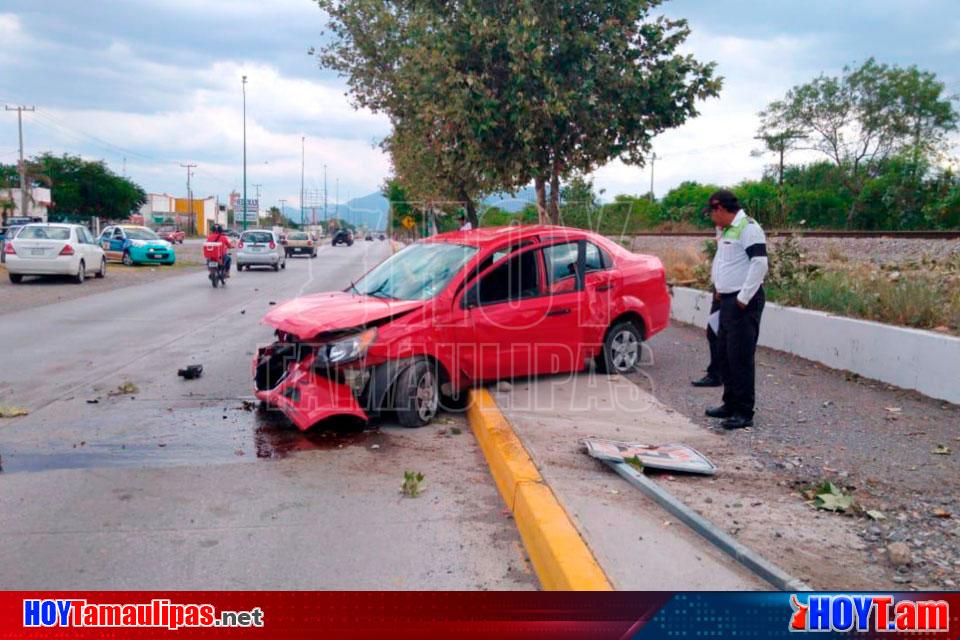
191, 372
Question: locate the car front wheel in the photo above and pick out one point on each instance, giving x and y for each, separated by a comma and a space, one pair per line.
417, 395
621, 349
127, 259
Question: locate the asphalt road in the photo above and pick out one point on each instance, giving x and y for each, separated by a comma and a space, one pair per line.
177, 485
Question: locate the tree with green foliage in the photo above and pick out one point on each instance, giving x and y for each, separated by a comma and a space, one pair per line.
579, 203
82, 189
510, 92
761, 200
864, 117
592, 82
685, 202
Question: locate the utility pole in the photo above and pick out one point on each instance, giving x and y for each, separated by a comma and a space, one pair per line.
24, 188
325, 217
244, 153
257, 187
653, 161
283, 209
189, 167
337, 198
302, 162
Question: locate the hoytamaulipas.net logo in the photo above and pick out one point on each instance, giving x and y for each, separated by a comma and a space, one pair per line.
156, 613
859, 612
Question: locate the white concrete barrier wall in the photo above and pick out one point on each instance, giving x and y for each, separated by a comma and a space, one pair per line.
909, 358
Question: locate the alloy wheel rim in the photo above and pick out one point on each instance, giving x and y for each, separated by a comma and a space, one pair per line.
426, 397
625, 350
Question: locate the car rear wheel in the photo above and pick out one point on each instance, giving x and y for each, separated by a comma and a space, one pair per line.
102, 273
417, 395
127, 259
621, 349
81, 273
16, 278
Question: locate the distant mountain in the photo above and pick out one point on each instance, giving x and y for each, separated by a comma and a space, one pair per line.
372, 209
512, 202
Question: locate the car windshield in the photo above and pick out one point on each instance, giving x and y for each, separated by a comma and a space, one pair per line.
44, 233
256, 236
419, 272
138, 233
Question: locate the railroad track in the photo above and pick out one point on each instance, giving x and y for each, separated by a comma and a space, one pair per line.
820, 233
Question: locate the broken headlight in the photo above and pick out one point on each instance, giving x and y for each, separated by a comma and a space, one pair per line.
346, 349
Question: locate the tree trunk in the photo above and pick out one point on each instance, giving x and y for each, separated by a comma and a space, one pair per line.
471, 208
540, 186
555, 198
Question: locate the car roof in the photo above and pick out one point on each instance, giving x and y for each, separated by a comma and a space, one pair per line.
49, 224
486, 235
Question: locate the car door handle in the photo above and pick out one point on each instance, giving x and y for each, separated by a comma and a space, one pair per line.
559, 312
604, 287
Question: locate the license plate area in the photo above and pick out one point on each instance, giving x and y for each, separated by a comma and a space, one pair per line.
213, 263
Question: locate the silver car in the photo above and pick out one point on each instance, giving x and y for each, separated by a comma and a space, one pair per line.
260, 247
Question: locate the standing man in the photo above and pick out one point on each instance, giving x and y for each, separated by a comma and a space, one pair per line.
712, 378
464, 223
738, 271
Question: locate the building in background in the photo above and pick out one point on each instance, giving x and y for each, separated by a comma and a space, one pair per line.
38, 204
165, 209
160, 208
204, 215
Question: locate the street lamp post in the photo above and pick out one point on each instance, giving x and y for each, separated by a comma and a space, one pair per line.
303, 142
244, 153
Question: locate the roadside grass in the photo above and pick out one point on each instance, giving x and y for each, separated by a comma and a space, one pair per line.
922, 294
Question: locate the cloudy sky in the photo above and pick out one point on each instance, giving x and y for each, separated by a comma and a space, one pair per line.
149, 84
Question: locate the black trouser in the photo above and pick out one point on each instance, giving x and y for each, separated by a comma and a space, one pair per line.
739, 329
713, 369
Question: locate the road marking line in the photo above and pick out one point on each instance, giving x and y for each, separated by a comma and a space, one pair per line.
559, 554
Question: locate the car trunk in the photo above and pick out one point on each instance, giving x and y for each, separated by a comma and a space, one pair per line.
38, 249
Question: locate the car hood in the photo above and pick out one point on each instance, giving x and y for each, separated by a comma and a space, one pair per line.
308, 316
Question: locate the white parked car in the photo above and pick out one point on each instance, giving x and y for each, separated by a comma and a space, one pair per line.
260, 247
54, 249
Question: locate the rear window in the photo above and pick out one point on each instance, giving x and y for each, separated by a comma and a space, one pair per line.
44, 233
298, 236
257, 236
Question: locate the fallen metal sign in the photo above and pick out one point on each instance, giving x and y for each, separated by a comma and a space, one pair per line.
668, 457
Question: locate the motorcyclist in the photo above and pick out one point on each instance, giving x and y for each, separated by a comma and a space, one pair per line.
217, 235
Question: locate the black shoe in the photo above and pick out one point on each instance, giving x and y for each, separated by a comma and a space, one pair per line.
719, 412
737, 421
707, 381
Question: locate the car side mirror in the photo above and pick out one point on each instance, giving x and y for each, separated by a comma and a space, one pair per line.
471, 298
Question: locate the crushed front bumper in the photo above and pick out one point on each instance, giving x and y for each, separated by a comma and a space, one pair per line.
285, 379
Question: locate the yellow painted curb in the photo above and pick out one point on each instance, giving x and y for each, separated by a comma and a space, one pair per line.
559, 555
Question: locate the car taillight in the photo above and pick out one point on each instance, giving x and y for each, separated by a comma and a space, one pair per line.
240, 245
273, 245
309, 243
67, 250
9, 250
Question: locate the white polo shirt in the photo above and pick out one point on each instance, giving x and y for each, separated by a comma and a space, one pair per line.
741, 261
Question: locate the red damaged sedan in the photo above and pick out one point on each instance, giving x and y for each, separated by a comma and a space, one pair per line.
456, 310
